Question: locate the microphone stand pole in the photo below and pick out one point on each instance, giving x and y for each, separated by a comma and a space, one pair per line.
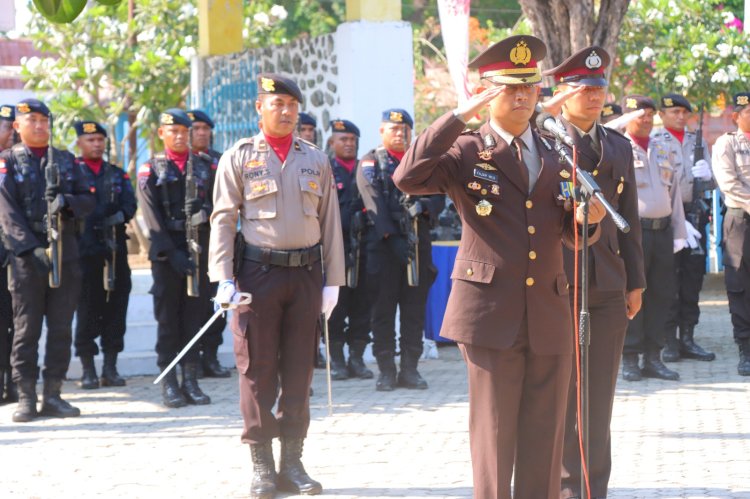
586, 189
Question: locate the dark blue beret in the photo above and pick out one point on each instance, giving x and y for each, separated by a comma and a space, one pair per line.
306, 119
675, 100
399, 116
27, 106
636, 102
88, 127
610, 109
271, 83
198, 115
175, 116
741, 99
7, 112
344, 126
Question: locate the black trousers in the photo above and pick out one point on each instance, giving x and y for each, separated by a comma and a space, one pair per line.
33, 302
689, 270
736, 259
646, 330
6, 320
100, 315
178, 315
389, 289
354, 305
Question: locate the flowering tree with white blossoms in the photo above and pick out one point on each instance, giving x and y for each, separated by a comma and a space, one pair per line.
690, 47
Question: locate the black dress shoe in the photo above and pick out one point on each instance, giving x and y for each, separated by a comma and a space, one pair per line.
653, 367
630, 369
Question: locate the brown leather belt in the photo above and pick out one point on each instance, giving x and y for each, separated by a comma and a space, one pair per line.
656, 223
282, 258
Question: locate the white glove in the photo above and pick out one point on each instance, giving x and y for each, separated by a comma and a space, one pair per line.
701, 170
330, 298
692, 235
225, 295
679, 245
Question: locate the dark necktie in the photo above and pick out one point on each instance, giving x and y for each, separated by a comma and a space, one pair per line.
518, 146
587, 156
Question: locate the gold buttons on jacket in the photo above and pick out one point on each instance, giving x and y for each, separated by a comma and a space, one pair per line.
532, 229
530, 281
529, 204
532, 255
469, 272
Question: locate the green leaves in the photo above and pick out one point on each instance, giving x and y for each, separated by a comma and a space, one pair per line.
65, 11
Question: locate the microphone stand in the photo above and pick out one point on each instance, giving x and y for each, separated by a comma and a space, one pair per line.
587, 188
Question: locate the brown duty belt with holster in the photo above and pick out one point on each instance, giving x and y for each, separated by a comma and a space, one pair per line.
282, 258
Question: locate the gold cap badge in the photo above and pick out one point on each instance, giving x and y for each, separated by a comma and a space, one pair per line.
633, 104
89, 128
742, 100
166, 119
5, 112
268, 84
520, 54
396, 117
339, 125
668, 102
191, 116
23, 108
607, 111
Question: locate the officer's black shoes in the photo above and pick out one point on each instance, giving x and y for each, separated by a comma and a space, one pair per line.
26, 410
689, 349
263, 485
671, 352
630, 369
410, 378
110, 376
171, 394
653, 367
190, 389
743, 368
212, 368
356, 366
292, 475
89, 379
339, 371
54, 406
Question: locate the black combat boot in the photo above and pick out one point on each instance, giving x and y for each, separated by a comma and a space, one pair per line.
11, 390
292, 475
110, 376
338, 364
689, 349
53, 405
743, 368
630, 369
170, 391
211, 366
387, 379
89, 380
653, 367
356, 365
671, 352
408, 376
191, 390
263, 485
26, 410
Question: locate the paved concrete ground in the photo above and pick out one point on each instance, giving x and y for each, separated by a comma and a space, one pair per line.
684, 439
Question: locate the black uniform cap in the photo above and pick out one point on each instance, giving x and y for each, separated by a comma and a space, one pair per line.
584, 68
198, 115
636, 102
88, 128
398, 116
741, 100
512, 61
611, 110
7, 112
306, 119
675, 100
27, 106
271, 83
344, 126
175, 116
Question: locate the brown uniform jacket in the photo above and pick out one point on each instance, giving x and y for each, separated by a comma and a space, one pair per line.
283, 206
616, 261
509, 265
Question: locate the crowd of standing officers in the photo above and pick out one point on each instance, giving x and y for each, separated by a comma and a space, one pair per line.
340, 241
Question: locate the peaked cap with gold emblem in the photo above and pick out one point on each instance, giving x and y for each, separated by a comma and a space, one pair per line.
7, 112
512, 61
271, 83
88, 128
636, 102
584, 68
741, 100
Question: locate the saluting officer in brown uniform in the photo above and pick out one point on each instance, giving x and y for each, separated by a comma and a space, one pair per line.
509, 306
281, 189
616, 278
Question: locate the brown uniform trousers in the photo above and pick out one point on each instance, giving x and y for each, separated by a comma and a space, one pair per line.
615, 265
509, 305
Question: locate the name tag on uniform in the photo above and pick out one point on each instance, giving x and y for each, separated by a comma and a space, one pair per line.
638, 163
490, 176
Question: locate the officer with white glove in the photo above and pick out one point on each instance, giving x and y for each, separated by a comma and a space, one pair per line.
693, 235
701, 170
330, 298
679, 245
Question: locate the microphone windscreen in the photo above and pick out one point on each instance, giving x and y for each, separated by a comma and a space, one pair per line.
541, 118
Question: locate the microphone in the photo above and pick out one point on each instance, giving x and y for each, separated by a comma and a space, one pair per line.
546, 121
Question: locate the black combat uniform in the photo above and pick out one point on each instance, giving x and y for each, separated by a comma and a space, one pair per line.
161, 194
102, 313
353, 303
387, 259
8, 390
23, 210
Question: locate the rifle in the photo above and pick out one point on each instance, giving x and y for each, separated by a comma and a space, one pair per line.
110, 239
409, 224
192, 221
54, 220
698, 207
356, 229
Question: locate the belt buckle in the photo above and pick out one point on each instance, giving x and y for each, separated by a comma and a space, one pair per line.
295, 259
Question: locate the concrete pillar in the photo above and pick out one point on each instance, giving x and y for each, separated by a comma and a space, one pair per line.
219, 27
373, 10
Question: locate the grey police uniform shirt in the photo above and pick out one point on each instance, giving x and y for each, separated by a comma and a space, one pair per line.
659, 195
731, 167
681, 157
